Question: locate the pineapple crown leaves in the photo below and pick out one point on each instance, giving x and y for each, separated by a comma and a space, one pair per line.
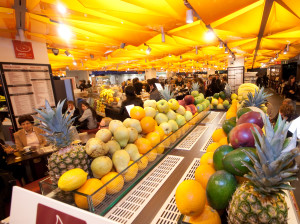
270, 171
56, 124
166, 93
195, 86
259, 98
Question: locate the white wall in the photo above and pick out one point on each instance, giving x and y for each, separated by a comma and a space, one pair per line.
8, 53
150, 73
78, 74
237, 62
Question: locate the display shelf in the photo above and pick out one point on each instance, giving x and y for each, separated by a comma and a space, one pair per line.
49, 189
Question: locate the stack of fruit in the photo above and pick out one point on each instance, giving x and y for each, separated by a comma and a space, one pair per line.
107, 95
263, 164
218, 101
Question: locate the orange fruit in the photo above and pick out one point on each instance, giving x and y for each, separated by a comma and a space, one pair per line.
223, 141
218, 134
160, 149
116, 185
154, 138
143, 162
131, 171
213, 146
160, 131
207, 158
89, 187
220, 101
203, 173
151, 155
190, 198
208, 216
137, 113
143, 144
148, 125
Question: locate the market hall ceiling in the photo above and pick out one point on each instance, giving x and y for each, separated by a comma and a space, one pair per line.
136, 35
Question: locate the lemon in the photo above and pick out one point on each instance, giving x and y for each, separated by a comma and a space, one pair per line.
131, 172
72, 179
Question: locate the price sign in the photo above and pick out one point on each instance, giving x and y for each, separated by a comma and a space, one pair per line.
30, 207
129, 107
158, 86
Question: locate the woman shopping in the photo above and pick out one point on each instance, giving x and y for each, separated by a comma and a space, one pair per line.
88, 119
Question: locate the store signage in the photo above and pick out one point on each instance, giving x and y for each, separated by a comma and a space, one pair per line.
129, 107
284, 62
30, 207
47, 215
277, 62
23, 49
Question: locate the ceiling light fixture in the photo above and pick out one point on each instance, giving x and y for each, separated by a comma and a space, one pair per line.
162, 35
68, 53
75, 63
64, 32
180, 57
61, 8
170, 55
148, 51
122, 45
189, 16
226, 50
209, 35
91, 56
196, 50
55, 51
221, 45
230, 55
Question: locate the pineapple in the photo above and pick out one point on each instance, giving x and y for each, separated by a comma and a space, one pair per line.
59, 134
166, 93
195, 86
258, 100
261, 199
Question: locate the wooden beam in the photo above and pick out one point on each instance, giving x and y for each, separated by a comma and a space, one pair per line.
264, 20
280, 2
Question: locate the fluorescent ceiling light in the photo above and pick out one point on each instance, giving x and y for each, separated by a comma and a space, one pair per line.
64, 32
75, 63
189, 16
221, 45
226, 50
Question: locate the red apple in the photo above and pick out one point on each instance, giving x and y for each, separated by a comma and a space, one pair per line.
181, 102
189, 99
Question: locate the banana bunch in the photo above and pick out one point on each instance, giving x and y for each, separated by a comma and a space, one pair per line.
107, 93
244, 89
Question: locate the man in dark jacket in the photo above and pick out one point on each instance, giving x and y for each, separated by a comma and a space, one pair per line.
138, 86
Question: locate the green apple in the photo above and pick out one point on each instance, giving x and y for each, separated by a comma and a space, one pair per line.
188, 115
199, 107
163, 106
214, 102
174, 125
174, 105
171, 115
166, 127
180, 120
195, 93
180, 110
150, 103
160, 118
150, 111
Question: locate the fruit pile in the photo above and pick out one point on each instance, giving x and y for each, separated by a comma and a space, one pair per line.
249, 151
218, 101
126, 147
107, 95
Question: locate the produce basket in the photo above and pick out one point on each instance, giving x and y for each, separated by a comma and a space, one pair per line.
96, 204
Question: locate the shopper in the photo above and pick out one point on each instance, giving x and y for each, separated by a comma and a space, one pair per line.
73, 110
154, 93
29, 135
131, 99
291, 89
224, 82
179, 82
82, 85
218, 82
138, 86
123, 85
88, 85
88, 119
213, 87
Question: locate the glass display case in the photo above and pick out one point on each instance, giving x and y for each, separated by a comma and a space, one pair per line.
154, 156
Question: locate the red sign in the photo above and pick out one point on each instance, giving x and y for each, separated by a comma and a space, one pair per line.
23, 49
47, 215
277, 62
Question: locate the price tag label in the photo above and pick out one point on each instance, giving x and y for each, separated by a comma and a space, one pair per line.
129, 107
158, 86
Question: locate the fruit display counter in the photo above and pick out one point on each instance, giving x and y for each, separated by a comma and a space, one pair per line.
99, 204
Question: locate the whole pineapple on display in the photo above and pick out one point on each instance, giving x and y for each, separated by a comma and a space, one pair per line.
166, 93
59, 134
261, 199
257, 100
